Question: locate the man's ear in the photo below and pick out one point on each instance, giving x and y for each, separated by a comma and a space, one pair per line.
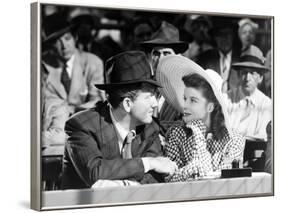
260, 78
211, 107
127, 104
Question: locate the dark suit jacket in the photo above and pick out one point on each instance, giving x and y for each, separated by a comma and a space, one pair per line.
211, 60
92, 150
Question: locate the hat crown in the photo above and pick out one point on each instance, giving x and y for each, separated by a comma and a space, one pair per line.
54, 23
167, 33
222, 23
251, 58
251, 61
127, 66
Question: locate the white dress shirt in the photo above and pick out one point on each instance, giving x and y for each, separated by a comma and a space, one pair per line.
225, 65
69, 65
249, 115
122, 134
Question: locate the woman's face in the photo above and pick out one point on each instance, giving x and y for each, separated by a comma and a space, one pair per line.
196, 106
247, 35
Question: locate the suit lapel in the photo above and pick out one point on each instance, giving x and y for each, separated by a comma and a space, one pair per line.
136, 146
54, 80
108, 135
217, 63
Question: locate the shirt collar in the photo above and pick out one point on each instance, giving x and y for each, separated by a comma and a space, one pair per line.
70, 61
253, 98
69, 65
227, 56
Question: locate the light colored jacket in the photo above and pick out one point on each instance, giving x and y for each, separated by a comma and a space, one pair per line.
87, 71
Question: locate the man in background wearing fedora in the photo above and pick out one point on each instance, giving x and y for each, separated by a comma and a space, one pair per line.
165, 41
249, 109
72, 74
220, 58
117, 143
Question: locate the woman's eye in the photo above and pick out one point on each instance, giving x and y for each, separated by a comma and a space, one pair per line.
193, 100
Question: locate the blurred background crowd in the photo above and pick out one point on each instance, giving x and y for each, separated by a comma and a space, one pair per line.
106, 32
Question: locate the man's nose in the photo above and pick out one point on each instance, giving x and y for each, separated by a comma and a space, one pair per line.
185, 105
248, 76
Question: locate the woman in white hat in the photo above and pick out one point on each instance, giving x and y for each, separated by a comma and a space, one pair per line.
204, 144
247, 34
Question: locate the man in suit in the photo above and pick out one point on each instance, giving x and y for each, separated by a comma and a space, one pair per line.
225, 53
72, 75
118, 141
165, 41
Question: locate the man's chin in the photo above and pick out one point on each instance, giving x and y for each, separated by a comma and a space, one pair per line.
148, 120
248, 90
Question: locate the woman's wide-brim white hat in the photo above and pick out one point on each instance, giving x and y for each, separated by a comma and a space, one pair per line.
170, 71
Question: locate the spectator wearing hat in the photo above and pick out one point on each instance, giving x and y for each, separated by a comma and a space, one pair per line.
225, 53
117, 143
247, 33
249, 109
199, 29
72, 74
165, 41
204, 144
84, 23
141, 29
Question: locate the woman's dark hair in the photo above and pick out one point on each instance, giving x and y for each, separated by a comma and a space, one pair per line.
217, 117
115, 96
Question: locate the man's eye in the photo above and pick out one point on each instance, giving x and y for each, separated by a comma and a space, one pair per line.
156, 53
167, 53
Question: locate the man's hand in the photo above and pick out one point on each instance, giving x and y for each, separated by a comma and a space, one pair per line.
162, 165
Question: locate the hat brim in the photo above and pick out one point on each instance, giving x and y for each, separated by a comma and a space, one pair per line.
52, 37
250, 65
118, 85
178, 47
169, 74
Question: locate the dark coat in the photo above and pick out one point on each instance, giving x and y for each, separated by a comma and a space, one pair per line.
211, 60
92, 150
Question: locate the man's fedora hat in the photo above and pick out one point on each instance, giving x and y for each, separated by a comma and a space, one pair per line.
55, 26
222, 23
250, 62
169, 74
167, 36
131, 67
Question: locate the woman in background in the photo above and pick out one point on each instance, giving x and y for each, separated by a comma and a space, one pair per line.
247, 35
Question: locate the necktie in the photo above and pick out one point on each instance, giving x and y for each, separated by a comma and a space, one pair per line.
224, 75
65, 79
127, 146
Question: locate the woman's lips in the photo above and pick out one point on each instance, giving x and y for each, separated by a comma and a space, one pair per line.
186, 114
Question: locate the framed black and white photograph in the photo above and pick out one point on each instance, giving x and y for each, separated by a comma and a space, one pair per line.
139, 105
